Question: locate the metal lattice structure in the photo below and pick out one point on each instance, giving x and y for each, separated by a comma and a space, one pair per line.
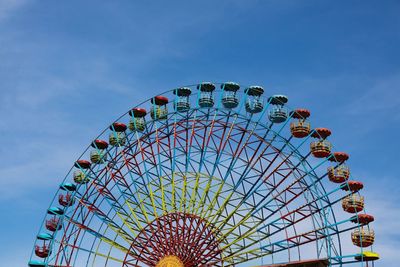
200, 176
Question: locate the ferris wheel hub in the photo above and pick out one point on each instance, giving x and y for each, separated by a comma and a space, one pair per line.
176, 239
170, 261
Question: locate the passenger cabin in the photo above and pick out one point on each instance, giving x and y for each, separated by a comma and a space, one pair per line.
117, 137
53, 224
206, 99
322, 147
363, 237
279, 112
353, 203
182, 102
230, 99
254, 102
137, 122
99, 154
339, 173
300, 127
159, 109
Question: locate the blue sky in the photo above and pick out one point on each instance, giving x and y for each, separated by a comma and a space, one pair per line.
69, 68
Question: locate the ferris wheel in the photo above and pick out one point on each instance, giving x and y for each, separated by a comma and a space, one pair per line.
208, 175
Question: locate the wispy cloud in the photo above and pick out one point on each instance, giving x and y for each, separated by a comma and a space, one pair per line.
387, 214
8, 7
379, 98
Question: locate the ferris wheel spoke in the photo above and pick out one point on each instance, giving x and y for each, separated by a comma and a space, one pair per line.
180, 144
189, 145
304, 238
103, 238
110, 222
247, 168
125, 217
213, 203
275, 154
188, 169
146, 173
128, 201
203, 151
102, 188
133, 150
73, 246
281, 245
138, 202
173, 204
99, 254
271, 211
226, 201
160, 138
119, 179
168, 156
232, 164
219, 149
302, 213
99, 188
291, 189
117, 229
90, 207
296, 216
255, 229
